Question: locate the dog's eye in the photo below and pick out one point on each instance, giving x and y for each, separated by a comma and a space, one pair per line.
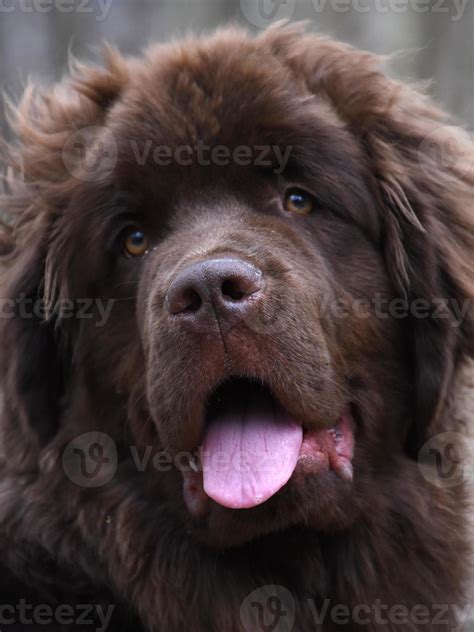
299, 201
135, 243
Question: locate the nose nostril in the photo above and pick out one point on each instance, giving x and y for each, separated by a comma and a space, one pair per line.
230, 289
191, 301
225, 289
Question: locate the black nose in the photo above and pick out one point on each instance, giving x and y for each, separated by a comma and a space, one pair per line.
215, 294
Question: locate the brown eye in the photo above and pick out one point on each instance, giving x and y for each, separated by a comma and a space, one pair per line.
300, 202
135, 244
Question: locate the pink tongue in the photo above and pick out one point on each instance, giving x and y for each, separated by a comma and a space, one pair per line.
250, 451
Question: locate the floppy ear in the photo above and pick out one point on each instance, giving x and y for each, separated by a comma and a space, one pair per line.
39, 185
427, 178
33, 370
424, 175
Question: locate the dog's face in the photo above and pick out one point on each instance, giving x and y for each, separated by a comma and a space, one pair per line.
244, 338
235, 291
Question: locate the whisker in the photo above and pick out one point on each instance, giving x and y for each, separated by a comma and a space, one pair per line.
127, 298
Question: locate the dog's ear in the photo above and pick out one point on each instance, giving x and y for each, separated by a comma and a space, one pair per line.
429, 243
32, 368
423, 169
426, 175
39, 184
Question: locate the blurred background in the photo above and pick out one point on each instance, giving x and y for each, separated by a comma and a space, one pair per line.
430, 38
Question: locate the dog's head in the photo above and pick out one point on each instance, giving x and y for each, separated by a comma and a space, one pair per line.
287, 263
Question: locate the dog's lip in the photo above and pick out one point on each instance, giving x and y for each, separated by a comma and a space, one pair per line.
324, 449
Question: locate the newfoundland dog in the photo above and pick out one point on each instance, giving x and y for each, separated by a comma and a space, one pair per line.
237, 323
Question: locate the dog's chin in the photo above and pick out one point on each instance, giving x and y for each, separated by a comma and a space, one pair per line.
258, 471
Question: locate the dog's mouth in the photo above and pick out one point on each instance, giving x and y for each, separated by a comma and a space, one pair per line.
252, 448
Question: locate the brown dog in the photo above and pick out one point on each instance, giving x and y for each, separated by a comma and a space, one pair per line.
239, 306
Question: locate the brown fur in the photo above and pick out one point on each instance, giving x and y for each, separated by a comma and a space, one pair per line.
391, 220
